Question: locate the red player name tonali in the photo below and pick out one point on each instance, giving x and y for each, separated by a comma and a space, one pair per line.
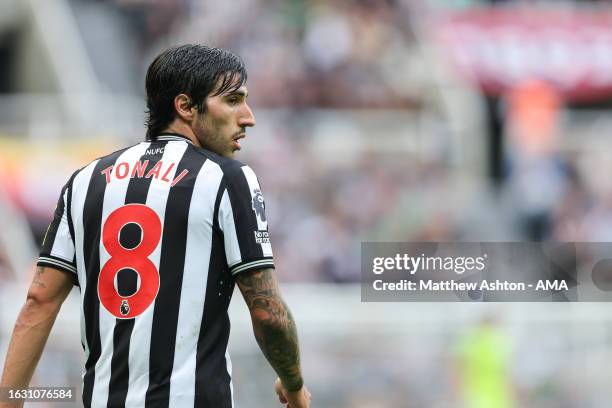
139, 169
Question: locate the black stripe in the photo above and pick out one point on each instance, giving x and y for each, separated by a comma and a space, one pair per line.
49, 239
76, 279
172, 261
69, 209
245, 219
212, 379
220, 192
92, 226
120, 373
67, 265
120, 369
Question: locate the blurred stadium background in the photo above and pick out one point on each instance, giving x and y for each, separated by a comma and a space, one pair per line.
377, 120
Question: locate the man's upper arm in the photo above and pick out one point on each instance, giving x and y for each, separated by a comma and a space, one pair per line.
50, 285
58, 250
243, 222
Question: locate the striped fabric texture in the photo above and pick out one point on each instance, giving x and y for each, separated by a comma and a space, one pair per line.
153, 235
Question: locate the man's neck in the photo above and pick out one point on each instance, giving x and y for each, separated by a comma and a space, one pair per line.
184, 130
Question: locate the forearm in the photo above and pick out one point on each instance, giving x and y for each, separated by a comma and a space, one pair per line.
274, 327
29, 337
276, 334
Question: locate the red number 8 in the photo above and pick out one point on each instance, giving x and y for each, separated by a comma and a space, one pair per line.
136, 259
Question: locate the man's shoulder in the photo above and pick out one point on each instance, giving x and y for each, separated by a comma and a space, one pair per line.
105, 158
114, 154
231, 168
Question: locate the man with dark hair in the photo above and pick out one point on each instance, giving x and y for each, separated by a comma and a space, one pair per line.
156, 235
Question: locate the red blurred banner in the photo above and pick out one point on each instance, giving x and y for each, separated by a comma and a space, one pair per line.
497, 48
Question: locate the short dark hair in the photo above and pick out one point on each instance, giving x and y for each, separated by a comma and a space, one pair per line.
194, 70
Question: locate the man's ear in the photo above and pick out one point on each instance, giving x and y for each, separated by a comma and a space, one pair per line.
184, 108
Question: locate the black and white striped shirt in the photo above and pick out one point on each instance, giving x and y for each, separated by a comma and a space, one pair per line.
153, 235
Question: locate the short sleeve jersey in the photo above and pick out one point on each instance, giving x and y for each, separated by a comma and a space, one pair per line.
153, 235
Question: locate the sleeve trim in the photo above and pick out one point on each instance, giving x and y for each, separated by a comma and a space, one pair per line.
55, 262
260, 263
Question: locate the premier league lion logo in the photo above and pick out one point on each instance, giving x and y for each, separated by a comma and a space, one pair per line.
258, 205
124, 308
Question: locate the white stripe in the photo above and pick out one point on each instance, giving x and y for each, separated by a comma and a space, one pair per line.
140, 342
226, 223
193, 290
228, 364
261, 224
173, 139
114, 197
63, 247
258, 261
58, 265
79, 191
252, 264
57, 262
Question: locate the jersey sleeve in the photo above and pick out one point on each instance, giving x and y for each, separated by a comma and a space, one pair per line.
243, 221
58, 245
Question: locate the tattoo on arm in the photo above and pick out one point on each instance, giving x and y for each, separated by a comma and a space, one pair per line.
38, 277
274, 327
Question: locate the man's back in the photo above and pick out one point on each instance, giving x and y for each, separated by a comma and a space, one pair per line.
156, 235
151, 225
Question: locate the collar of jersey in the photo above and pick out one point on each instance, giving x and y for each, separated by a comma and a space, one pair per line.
168, 137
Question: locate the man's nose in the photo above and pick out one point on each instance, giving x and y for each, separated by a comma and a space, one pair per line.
247, 118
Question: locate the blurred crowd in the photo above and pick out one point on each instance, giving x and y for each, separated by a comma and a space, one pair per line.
354, 55
331, 183
342, 54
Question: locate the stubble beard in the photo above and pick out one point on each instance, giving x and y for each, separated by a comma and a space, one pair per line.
209, 139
